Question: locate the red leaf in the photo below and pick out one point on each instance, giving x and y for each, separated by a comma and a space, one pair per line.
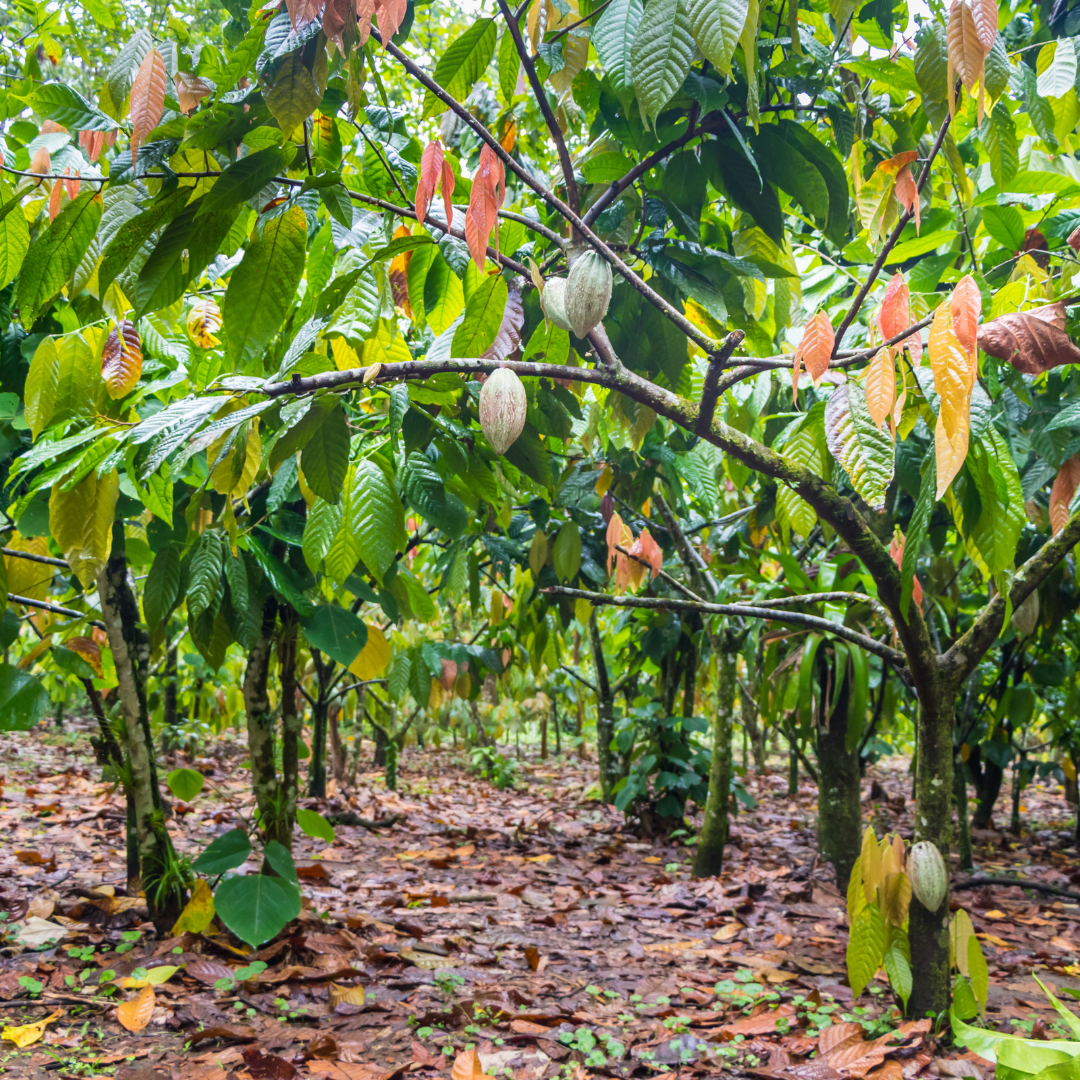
431, 163
1061, 494
303, 12
488, 192
447, 191
815, 349
1032, 341
907, 194
365, 12
896, 549
966, 307
147, 99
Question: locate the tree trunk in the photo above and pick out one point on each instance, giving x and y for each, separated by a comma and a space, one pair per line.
291, 726
986, 777
161, 880
317, 768
1017, 787
963, 836
839, 817
557, 724
605, 715
169, 696
792, 766
709, 860
928, 931
543, 734
337, 748
260, 729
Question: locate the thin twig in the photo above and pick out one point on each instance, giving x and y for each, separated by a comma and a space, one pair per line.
26, 601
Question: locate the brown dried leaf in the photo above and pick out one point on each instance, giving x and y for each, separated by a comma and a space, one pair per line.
268, 1066
1032, 341
467, 1067
122, 360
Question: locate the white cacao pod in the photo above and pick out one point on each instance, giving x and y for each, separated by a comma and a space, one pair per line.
553, 302
588, 292
929, 876
503, 404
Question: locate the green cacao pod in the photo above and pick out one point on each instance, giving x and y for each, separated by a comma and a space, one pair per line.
503, 404
553, 302
929, 876
588, 292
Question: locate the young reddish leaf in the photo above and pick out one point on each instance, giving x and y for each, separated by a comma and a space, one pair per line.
431, 163
1074, 239
365, 12
1061, 494
966, 307
190, 90
54, 199
72, 184
614, 536
488, 192
41, 162
303, 12
954, 372
147, 99
893, 317
391, 14
881, 386
965, 50
984, 14
338, 16
92, 142
815, 349
796, 370
645, 547
447, 191
907, 195
121, 360
892, 166
896, 549
1032, 341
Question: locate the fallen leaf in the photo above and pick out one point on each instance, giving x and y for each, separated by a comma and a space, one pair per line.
345, 995
467, 1067
198, 914
268, 1066
28, 1034
135, 1013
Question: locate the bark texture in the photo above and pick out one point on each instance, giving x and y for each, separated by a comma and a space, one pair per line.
709, 859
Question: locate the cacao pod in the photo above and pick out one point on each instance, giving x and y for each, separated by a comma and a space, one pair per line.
503, 404
588, 292
553, 302
929, 877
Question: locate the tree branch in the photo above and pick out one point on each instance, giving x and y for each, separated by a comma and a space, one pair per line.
809, 622
46, 559
905, 217
580, 678
26, 601
710, 392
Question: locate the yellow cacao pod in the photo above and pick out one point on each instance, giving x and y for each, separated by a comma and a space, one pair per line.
929, 876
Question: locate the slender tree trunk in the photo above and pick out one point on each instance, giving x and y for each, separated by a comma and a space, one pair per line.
605, 715
543, 734
165, 894
1018, 772
291, 726
557, 724
839, 817
986, 777
260, 729
928, 931
337, 749
963, 836
583, 751
317, 768
709, 859
792, 766
169, 695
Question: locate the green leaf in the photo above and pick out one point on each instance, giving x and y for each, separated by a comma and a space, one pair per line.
315, 825
295, 93
56, 255
998, 69
204, 582
325, 457
997, 531
336, 631
244, 179
897, 964
782, 164
717, 26
802, 444
136, 231
978, 972
732, 173
509, 66
376, 518
277, 855
566, 557
832, 172
226, 852
185, 784
263, 287
426, 491
1066, 1014
1056, 68
865, 949
162, 590
68, 107
323, 522
999, 141
918, 529
483, 317
932, 61
1005, 225
661, 55
862, 450
613, 39
23, 700
257, 907
14, 242
462, 64
530, 455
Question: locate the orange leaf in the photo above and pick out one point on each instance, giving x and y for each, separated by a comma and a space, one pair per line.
431, 163
650, 552
447, 190
893, 317
1061, 494
984, 13
88, 649
54, 199
41, 163
121, 360
509, 137
966, 306
893, 165
896, 549
488, 192
954, 373
391, 14
796, 370
815, 349
950, 452
467, 1067
92, 142
147, 98
881, 386
135, 1013
907, 194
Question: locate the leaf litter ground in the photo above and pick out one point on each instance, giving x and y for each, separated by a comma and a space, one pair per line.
531, 926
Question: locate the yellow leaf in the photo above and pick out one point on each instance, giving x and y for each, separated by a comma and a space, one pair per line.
154, 976
345, 358
25, 577
80, 521
135, 1014
236, 470
28, 1034
199, 912
881, 387
372, 659
949, 453
954, 372
345, 995
871, 865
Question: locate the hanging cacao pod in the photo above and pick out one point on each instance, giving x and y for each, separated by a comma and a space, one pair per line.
503, 404
588, 292
929, 877
553, 302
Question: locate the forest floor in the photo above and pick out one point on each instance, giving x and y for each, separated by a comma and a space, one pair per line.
531, 925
